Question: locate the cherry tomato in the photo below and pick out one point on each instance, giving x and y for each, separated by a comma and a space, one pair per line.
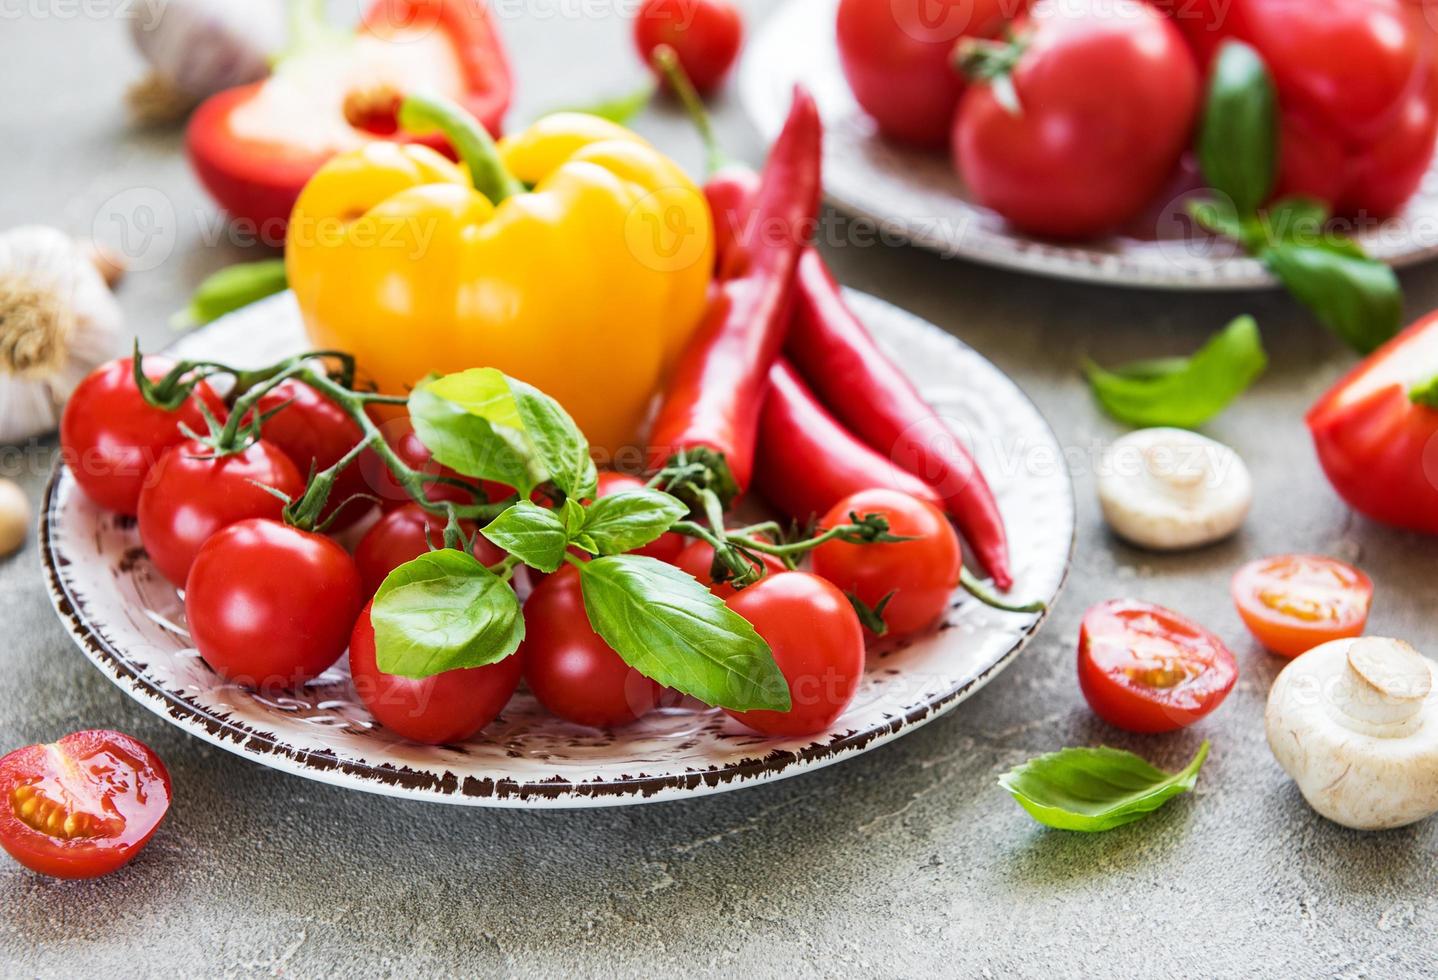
400, 435
110, 437
705, 34
667, 546
439, 710
919, 575
1144, 668
697, 559
1107, 93
315, 433
570, 669
898, 58
83, 806
271, 606
1293, 603
403, 535
817, 643
192, 493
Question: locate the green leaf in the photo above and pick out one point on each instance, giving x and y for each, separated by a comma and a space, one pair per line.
1095, 789
621, 108
1358, 299
533, 534
467, 443
1238, 137
672, 629
1184, 392
442, 611
231, 289
629, 520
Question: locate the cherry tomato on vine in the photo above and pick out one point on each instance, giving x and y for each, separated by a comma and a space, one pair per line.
1293, 603
403, 535
817, 642
667, 546
570, 669
705, 34
315, 433
192, 493
697, 559
269, 605
439, 710
918, 576
380, 482
83, 806
110, 437
1144, 668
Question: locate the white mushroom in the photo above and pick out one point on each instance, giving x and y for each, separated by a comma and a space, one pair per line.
1355, 723
1169, 489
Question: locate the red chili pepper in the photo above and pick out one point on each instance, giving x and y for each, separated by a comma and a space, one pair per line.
711, 410
255, 147
1376, 431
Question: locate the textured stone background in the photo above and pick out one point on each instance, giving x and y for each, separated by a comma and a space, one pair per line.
905, 861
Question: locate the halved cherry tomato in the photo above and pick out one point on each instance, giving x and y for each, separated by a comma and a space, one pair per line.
439, 710
667, 546
1144, 668
705, 35
403, 535
1293, 603
83, 806
315, 433
697, 559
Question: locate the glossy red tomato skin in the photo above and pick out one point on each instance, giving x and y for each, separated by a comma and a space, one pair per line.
315, 433
697, 559
104, 767
270, 606
1177, 647
817, 643
192, 493
922, 574
705, 34
897, 56
439, 710
1109, 95
1263, 587
667, 546
110, 437
569, 667
404, 534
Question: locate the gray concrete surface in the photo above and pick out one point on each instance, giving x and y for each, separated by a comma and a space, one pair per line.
906, 861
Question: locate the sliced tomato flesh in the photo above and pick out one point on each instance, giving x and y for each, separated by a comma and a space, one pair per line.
1293, 603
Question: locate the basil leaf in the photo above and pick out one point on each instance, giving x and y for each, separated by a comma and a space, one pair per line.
1184, 392
1238, 137
672, 629
1358, 299
533, 534
442, 611
233, 288
621, 108
631, 519
1095, 789
467, 443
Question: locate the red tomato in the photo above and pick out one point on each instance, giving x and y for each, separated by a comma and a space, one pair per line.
921, 574
697, 559
110, 437
191, 494
1144, 668
271, 606
570, 669
403, 535
315, 433
83, 806
705, 35
1293, 603
667, 546
817, 643
1377, 445
1108, 93
400, 435
439, 710
898, 58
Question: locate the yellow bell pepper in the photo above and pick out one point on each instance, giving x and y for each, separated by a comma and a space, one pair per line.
585, 285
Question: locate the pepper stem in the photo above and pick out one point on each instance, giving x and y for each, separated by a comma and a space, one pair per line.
425, 113
666, 62
1425, 393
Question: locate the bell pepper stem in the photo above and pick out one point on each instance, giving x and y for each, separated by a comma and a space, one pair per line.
1425, 393
666, 63
425, 113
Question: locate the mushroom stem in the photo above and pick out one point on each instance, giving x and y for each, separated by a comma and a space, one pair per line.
1383, 690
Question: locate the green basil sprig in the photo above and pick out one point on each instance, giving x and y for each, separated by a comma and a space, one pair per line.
1096, 789
1355, 297
1183, 391
628, 520
533, 534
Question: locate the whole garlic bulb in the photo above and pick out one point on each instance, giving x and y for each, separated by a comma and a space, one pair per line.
58, 320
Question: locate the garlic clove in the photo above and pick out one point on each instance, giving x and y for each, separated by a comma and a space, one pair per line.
14, 518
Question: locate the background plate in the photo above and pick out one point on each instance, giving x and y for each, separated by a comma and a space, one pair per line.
916, 196
130, 622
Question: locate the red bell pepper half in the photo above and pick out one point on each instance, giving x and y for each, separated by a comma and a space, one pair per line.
1376, 431
255, 147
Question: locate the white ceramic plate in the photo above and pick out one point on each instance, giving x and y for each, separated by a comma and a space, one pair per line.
130, 622
916, 196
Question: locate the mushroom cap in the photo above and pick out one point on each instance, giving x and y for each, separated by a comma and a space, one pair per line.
1171, 489
1354, 722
